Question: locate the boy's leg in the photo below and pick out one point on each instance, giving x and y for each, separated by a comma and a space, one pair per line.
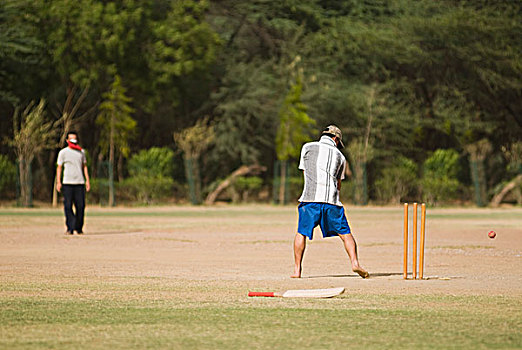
309, 216
79, 204
351, 248
299, 248
67, 193
334, 222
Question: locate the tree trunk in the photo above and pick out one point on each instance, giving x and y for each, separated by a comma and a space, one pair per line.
483, 181
111, 163
495, 202
24, 168
21, 177
241, 171
120, 167
361, 185
282, 183
44, 181
189, 174
477, 183
55, 193
477, 155
197, 180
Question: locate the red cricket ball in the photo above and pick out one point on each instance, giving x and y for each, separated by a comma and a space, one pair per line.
492, 234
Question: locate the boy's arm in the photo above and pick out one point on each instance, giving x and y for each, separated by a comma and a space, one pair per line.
87, 181
59, 178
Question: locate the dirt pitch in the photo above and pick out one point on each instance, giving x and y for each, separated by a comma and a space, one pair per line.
199, 255
251, 246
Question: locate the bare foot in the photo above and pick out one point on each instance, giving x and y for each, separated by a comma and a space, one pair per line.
362, 272
297, 273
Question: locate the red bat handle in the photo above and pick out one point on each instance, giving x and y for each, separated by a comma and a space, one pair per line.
261, 294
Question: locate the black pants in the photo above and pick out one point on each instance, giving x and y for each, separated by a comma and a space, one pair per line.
74, 194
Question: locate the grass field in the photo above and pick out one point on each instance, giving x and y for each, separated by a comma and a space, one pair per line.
177, 278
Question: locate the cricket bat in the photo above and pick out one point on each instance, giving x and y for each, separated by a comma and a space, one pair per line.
301, 293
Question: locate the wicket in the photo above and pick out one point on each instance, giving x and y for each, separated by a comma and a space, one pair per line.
414, 241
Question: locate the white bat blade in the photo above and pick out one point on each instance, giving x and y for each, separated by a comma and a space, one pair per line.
313, 293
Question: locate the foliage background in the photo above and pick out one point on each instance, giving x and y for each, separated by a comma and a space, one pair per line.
412, 77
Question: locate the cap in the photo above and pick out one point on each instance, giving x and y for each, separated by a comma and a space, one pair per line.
335, 131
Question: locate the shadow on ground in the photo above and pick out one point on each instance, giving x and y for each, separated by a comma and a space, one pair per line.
376, 274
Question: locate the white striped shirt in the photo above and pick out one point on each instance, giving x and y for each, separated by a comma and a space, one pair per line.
323, 165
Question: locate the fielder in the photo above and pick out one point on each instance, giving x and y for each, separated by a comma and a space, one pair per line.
75, 182
324, 166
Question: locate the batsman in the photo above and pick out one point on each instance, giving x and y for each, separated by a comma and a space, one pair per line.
324, 167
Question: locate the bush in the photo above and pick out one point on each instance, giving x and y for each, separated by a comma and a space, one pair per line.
99, 191
152, 162
7, 176
439, 181
147, 189
398, 181
247, 186
150, 176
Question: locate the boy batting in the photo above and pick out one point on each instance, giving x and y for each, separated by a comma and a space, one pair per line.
324, 166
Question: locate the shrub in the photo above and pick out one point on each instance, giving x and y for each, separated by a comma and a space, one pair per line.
150, 176
7, 176
439, 181
247, 186
398, 181
147, 189
152, 162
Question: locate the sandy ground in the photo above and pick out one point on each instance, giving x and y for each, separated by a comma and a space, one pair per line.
250, 247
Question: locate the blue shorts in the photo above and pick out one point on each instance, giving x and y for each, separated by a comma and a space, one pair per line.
330, 217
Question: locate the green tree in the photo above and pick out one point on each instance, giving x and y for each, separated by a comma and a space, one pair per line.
293, 131
398, 181
369, 107
150, 175
361, 153
117, 127
478, 153
152, 162
20, 50
7, 175
70, 30
32, 134
193, 141
445, 73
439, 179
513, 155
246, 115
183, 42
